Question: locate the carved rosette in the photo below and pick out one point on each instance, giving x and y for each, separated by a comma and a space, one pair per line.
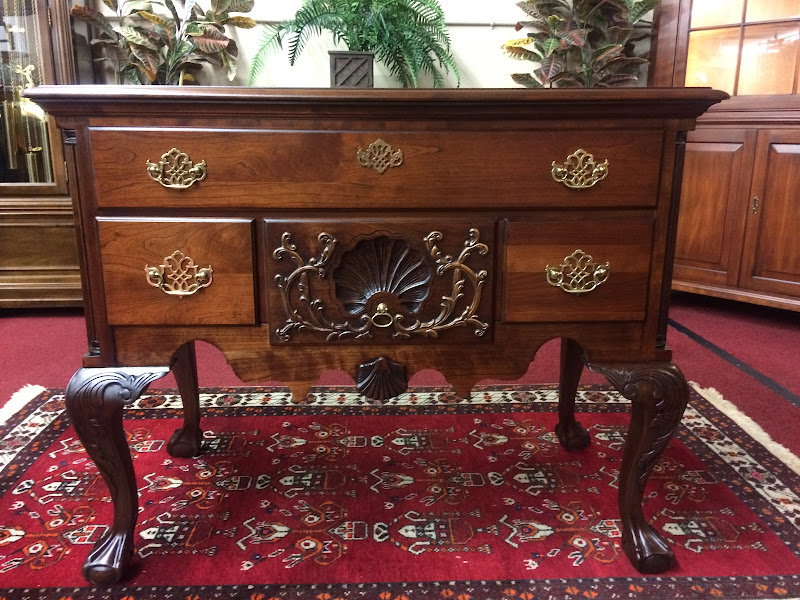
384, 268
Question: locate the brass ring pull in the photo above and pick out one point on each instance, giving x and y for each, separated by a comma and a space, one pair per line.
382, 317
179, 276
379, 156
580, 170
578, 274
176, 171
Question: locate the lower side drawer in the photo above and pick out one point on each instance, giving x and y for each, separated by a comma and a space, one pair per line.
178, 272
578, 269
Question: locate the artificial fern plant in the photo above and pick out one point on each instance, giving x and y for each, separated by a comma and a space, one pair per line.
169, 45
582, 43
409, 36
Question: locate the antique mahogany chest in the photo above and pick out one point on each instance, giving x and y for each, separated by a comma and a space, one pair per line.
379, 232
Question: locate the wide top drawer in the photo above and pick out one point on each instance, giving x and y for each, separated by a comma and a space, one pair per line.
199, 168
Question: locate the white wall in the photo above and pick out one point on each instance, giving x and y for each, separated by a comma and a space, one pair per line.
478, 29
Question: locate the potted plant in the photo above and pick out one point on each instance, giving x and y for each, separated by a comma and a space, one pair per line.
582, 43
169, 46
409, 36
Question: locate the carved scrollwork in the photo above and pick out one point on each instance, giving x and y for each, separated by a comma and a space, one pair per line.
408, 285
663, 388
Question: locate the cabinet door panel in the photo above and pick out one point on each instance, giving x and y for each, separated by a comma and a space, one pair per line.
713, 207
773, 262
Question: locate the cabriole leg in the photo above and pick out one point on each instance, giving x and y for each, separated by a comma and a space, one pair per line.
185, 442
569, 432
658, 393
94, 402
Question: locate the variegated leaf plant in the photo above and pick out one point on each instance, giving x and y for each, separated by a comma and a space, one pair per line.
165, 41
582, 43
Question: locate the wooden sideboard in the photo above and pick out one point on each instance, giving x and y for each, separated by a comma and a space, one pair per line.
380, 232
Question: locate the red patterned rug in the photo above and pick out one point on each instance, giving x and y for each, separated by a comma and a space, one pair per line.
427, 496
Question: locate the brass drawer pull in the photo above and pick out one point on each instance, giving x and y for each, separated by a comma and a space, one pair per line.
379, 156
578, 273
175, 170
179, 276
382, 317
579, 171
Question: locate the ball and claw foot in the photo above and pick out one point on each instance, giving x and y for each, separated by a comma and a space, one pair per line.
572, 436
185, 442
647, 551
108, 562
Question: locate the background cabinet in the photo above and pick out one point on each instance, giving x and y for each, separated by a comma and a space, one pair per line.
738, 234
38, 249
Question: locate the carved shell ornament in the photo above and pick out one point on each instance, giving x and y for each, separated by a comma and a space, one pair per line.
391, 269
383, 264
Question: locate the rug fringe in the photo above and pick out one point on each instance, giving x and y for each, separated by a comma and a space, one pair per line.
751, 427
18, 400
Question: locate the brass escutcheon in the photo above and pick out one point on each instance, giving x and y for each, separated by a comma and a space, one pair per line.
175, 170
379, 156
578, 274
580, 170
179, 276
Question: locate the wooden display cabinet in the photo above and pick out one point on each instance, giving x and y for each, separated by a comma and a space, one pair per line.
38, 248
740, 203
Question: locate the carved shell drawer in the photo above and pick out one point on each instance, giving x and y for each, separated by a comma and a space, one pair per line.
578, 268
178, 272
387, 281
390, 169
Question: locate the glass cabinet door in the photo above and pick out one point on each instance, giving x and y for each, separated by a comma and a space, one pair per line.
27, 151
745, 46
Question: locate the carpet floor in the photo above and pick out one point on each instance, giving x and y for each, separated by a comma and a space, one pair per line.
336, 498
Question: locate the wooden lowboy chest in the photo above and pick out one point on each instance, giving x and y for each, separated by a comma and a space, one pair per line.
379, 232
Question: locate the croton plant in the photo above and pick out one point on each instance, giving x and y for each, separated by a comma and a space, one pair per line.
582, 43
165, 41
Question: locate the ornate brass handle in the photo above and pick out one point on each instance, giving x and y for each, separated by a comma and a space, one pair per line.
379, 156
179, 276
175, 170
580, 170
578, 273
382, 317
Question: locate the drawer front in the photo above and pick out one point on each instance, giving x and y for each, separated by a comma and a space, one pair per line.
578, 270
178, 272
393, 281
375, 169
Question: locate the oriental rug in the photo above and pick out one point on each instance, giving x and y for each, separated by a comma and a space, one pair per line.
425, 496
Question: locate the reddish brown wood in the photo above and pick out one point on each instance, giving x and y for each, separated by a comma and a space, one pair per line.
658, 394
94, 401
570, 433
713, 206
186, 441
307, 245
624, 242
127, 246
773, 266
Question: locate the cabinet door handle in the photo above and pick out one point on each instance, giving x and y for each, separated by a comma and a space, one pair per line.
754, 209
